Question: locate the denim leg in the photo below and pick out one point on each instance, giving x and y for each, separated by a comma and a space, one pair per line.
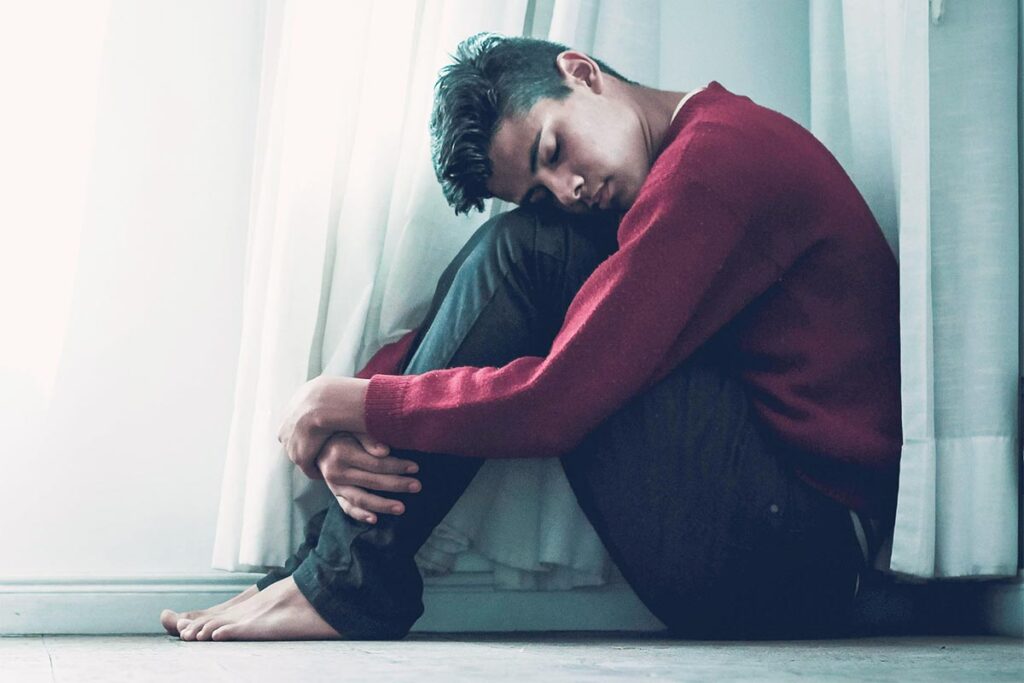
504, 296
312, 537
700, 512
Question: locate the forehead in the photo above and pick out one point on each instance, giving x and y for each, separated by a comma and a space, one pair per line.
510, 151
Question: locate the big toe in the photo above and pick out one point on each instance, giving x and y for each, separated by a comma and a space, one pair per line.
169, 620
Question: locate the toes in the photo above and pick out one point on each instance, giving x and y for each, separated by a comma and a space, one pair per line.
169, 620
206, 631
182, 624
189, 630
259, 628
173, 622
227, 632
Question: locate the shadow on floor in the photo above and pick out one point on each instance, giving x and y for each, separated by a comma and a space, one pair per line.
888, 607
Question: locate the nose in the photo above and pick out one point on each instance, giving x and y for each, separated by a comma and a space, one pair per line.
567, 188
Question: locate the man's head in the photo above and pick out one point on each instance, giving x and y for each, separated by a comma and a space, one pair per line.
531, 121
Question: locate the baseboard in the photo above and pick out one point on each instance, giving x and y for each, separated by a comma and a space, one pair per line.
608, 608
116, 605
1002, 606
105, 605
461, 602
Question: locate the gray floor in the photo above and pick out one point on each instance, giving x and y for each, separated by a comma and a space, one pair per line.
534, 657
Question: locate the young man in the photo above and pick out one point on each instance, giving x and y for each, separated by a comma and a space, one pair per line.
719, 371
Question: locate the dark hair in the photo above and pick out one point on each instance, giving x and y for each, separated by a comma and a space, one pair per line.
492, 77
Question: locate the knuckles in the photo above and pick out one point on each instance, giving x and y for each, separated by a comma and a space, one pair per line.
335, 473
337, 448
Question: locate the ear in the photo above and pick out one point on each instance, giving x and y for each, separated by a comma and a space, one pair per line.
579, 69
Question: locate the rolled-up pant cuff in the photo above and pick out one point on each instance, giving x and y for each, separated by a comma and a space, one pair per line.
271, 577
347, 616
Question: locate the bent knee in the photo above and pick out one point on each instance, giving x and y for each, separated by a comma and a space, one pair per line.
522, 235
511, 235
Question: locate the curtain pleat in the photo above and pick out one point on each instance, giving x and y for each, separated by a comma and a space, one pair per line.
919, 103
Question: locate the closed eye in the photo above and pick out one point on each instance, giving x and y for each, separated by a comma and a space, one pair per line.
542, 195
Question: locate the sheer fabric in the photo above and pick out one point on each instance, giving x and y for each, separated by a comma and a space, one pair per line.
918, 101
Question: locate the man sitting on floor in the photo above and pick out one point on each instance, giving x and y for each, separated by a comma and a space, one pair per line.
704, 330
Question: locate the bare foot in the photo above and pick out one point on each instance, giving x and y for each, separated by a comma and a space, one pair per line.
278, 612
173, 621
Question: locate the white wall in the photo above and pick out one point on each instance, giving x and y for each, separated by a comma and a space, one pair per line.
124, 475
753, 48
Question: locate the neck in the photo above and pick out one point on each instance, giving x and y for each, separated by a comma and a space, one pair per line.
654, 111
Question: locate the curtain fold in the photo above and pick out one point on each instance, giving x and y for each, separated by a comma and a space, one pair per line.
919, 104
349, 233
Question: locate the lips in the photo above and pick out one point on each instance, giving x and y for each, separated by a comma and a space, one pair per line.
603, 197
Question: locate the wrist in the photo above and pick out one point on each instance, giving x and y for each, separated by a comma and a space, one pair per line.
341, 404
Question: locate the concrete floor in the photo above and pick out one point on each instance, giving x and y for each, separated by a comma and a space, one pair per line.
500, 657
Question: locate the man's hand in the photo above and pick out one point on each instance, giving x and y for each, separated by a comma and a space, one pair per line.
320, 407
352, 463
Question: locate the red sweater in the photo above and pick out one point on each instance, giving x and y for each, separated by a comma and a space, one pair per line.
746, 234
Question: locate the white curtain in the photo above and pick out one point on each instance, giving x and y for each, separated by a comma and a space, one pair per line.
918, 101
348, 235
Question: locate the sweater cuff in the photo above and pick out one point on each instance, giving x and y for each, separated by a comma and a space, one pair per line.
385, 400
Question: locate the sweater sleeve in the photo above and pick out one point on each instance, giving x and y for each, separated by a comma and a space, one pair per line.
687, 264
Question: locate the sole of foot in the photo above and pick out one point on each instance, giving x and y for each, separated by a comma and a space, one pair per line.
173, 622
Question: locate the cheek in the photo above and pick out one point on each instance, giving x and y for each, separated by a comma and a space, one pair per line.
624, 150
602, 157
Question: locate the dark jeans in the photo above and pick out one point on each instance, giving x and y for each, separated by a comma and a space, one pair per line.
700, 513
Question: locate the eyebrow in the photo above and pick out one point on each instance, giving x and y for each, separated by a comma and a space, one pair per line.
533, 166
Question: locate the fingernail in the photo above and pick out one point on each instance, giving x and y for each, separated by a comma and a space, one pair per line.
396, 509
414, 487
371, 520
412, 468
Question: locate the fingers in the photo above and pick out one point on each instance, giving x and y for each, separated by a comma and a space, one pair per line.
310, 469
356, 513
365, 502
295, 450
338, 475
352, 472
345, 449
371, 445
